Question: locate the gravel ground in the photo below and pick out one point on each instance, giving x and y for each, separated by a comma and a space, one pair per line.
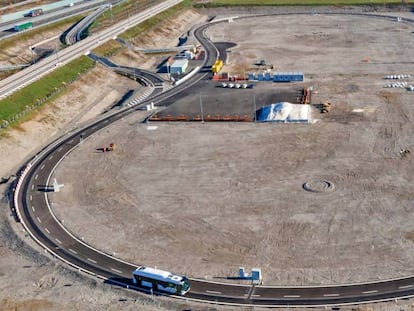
233, 194
204, 199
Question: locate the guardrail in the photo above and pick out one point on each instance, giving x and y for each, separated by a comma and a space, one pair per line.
13, 67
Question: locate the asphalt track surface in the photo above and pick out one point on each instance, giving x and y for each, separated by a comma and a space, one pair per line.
37, 217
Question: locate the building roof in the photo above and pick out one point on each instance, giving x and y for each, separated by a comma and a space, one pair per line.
180, 62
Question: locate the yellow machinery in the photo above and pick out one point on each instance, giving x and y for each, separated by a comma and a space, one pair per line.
326, 107
217, 66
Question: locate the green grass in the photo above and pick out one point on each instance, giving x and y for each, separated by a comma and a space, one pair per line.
108, 49
220, 3
22, 103
148, 24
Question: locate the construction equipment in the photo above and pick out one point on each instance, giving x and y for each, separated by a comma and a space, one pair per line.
326, 107
217, 66
111, 147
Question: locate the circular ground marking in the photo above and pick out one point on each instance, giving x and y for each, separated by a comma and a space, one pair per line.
319, 185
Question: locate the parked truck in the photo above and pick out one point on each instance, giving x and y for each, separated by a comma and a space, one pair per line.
23, 26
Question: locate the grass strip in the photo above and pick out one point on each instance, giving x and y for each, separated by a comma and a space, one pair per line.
149, 23
28, 99
111, 48
229, 3
108, 49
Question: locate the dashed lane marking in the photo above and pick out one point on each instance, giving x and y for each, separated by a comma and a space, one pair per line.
60, 149
91, 260
70, 141
212, 292
331, 295
405, 286
33, 209
42, 167
73, 251
47, 230
57, 240
38, 219
31, 198
37, 175
115, 270
370, 291
291, 296
32, 186
51, 157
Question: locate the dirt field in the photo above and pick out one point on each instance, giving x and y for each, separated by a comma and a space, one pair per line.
204, 199
29, 280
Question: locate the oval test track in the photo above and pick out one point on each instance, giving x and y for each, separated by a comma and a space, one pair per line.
42, 225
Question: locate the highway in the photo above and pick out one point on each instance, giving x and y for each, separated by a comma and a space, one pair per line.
31, 202
51, 16
74, 35
39, 69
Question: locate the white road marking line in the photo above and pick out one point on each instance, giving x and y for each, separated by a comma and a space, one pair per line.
57, 240
38, 219
32, 186
37, 175
405, 286
331, 295
116, 270
51, 157
60, 149
31, 197
94, 127
73, 251
33, 209
91, 260
291, 296
255, 296
70, 141
212, 292
42, 167
47, 230
370, 291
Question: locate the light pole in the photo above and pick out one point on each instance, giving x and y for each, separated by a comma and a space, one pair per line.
254, 108
130, 56
31, 48
110, 7
201, 110
57, 55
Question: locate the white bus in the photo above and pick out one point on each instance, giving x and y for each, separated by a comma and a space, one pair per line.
160, 281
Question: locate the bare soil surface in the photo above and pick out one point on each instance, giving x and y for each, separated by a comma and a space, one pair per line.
204, 199
31, 281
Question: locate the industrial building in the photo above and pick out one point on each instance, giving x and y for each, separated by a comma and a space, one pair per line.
179, 66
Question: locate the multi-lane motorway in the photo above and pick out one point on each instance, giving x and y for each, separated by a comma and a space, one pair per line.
31, 202
39, 69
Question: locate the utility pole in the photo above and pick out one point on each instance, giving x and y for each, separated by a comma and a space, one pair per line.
57, 55
201, 110
254, 108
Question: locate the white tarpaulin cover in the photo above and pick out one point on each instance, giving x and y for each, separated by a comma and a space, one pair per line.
284, 112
